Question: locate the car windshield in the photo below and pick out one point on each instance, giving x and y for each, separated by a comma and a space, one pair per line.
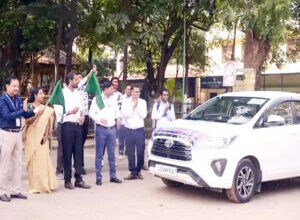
226, 109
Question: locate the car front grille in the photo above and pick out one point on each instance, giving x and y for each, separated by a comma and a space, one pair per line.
177, 151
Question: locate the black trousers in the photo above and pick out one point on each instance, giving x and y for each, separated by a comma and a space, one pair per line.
135, 143
85, 131
60, 160
72, 145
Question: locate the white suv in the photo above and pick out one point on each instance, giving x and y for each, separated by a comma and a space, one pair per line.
233, 142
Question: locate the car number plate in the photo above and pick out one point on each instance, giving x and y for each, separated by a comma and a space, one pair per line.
162, 169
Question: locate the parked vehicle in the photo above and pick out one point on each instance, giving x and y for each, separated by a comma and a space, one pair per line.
233, 142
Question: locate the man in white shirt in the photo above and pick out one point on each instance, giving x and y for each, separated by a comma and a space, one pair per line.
85, 107
122, 131
106, 120
117, 95
134, 110
72, 133
163, 111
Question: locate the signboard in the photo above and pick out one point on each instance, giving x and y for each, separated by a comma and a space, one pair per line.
229, 79
212, 82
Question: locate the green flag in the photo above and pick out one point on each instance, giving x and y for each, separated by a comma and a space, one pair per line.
93, 87
57, 96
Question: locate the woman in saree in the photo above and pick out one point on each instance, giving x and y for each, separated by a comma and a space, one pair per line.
37, 147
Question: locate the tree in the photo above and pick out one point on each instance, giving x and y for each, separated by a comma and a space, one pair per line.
25, 28
158, 31
265, 25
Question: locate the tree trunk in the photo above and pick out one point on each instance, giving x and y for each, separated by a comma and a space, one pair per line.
125, 63
32, 67
150, 70
166, 52
90, 57
57, 46
233, 44
256, 53
188, 60
71, 35
176, 77
69, 56
16, 52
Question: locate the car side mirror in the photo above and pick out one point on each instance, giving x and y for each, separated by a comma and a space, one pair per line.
274, 120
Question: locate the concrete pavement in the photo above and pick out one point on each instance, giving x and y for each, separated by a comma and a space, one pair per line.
150, 199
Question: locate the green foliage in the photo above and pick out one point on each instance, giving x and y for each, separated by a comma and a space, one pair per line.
197, 49
271, 21
267, 18
173, 91
32, 24
102, 67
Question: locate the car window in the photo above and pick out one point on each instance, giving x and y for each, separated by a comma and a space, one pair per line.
297, 112
227, 109
282, 110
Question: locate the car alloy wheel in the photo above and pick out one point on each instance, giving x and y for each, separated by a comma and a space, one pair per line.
244, 183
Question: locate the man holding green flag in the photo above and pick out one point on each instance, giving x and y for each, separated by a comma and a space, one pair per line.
58, 102
83, 81
105, 112
73, 119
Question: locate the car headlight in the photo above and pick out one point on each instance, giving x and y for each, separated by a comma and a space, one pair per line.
216, 142
221, 142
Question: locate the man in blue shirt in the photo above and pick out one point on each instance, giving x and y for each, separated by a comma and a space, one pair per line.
12, 109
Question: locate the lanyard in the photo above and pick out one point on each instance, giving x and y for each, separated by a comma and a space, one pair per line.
13, 104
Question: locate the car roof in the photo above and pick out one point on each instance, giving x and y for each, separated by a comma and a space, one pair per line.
262, 94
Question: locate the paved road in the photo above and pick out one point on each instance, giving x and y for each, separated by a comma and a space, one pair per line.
150, 199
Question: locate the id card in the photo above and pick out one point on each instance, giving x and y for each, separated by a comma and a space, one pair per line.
18, 122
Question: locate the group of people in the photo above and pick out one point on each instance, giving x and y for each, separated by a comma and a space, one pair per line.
122, 115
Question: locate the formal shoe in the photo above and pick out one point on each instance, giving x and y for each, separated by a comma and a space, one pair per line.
140, 176
115, 180
131, 177
98, 182
82, 185
69, 185
83, 172
5, 198
60, 176
145, 167
18, 196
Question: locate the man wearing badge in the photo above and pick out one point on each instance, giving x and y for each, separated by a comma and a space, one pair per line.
12, 109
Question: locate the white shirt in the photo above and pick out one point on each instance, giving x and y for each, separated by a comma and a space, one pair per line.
59, 111
123, 98
163, 119
84, 96
134, 119
72, 100
117, 96
110, 112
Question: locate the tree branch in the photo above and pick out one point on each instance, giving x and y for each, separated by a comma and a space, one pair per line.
199, 27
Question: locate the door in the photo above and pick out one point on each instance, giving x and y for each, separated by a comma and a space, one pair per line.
296, 136
273, 142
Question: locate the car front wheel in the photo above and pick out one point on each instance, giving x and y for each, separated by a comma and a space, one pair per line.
171, 183
244, 183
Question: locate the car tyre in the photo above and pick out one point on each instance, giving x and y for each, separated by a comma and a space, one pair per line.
244, 183
171, 183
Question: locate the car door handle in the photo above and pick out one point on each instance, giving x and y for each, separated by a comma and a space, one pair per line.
293, 133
